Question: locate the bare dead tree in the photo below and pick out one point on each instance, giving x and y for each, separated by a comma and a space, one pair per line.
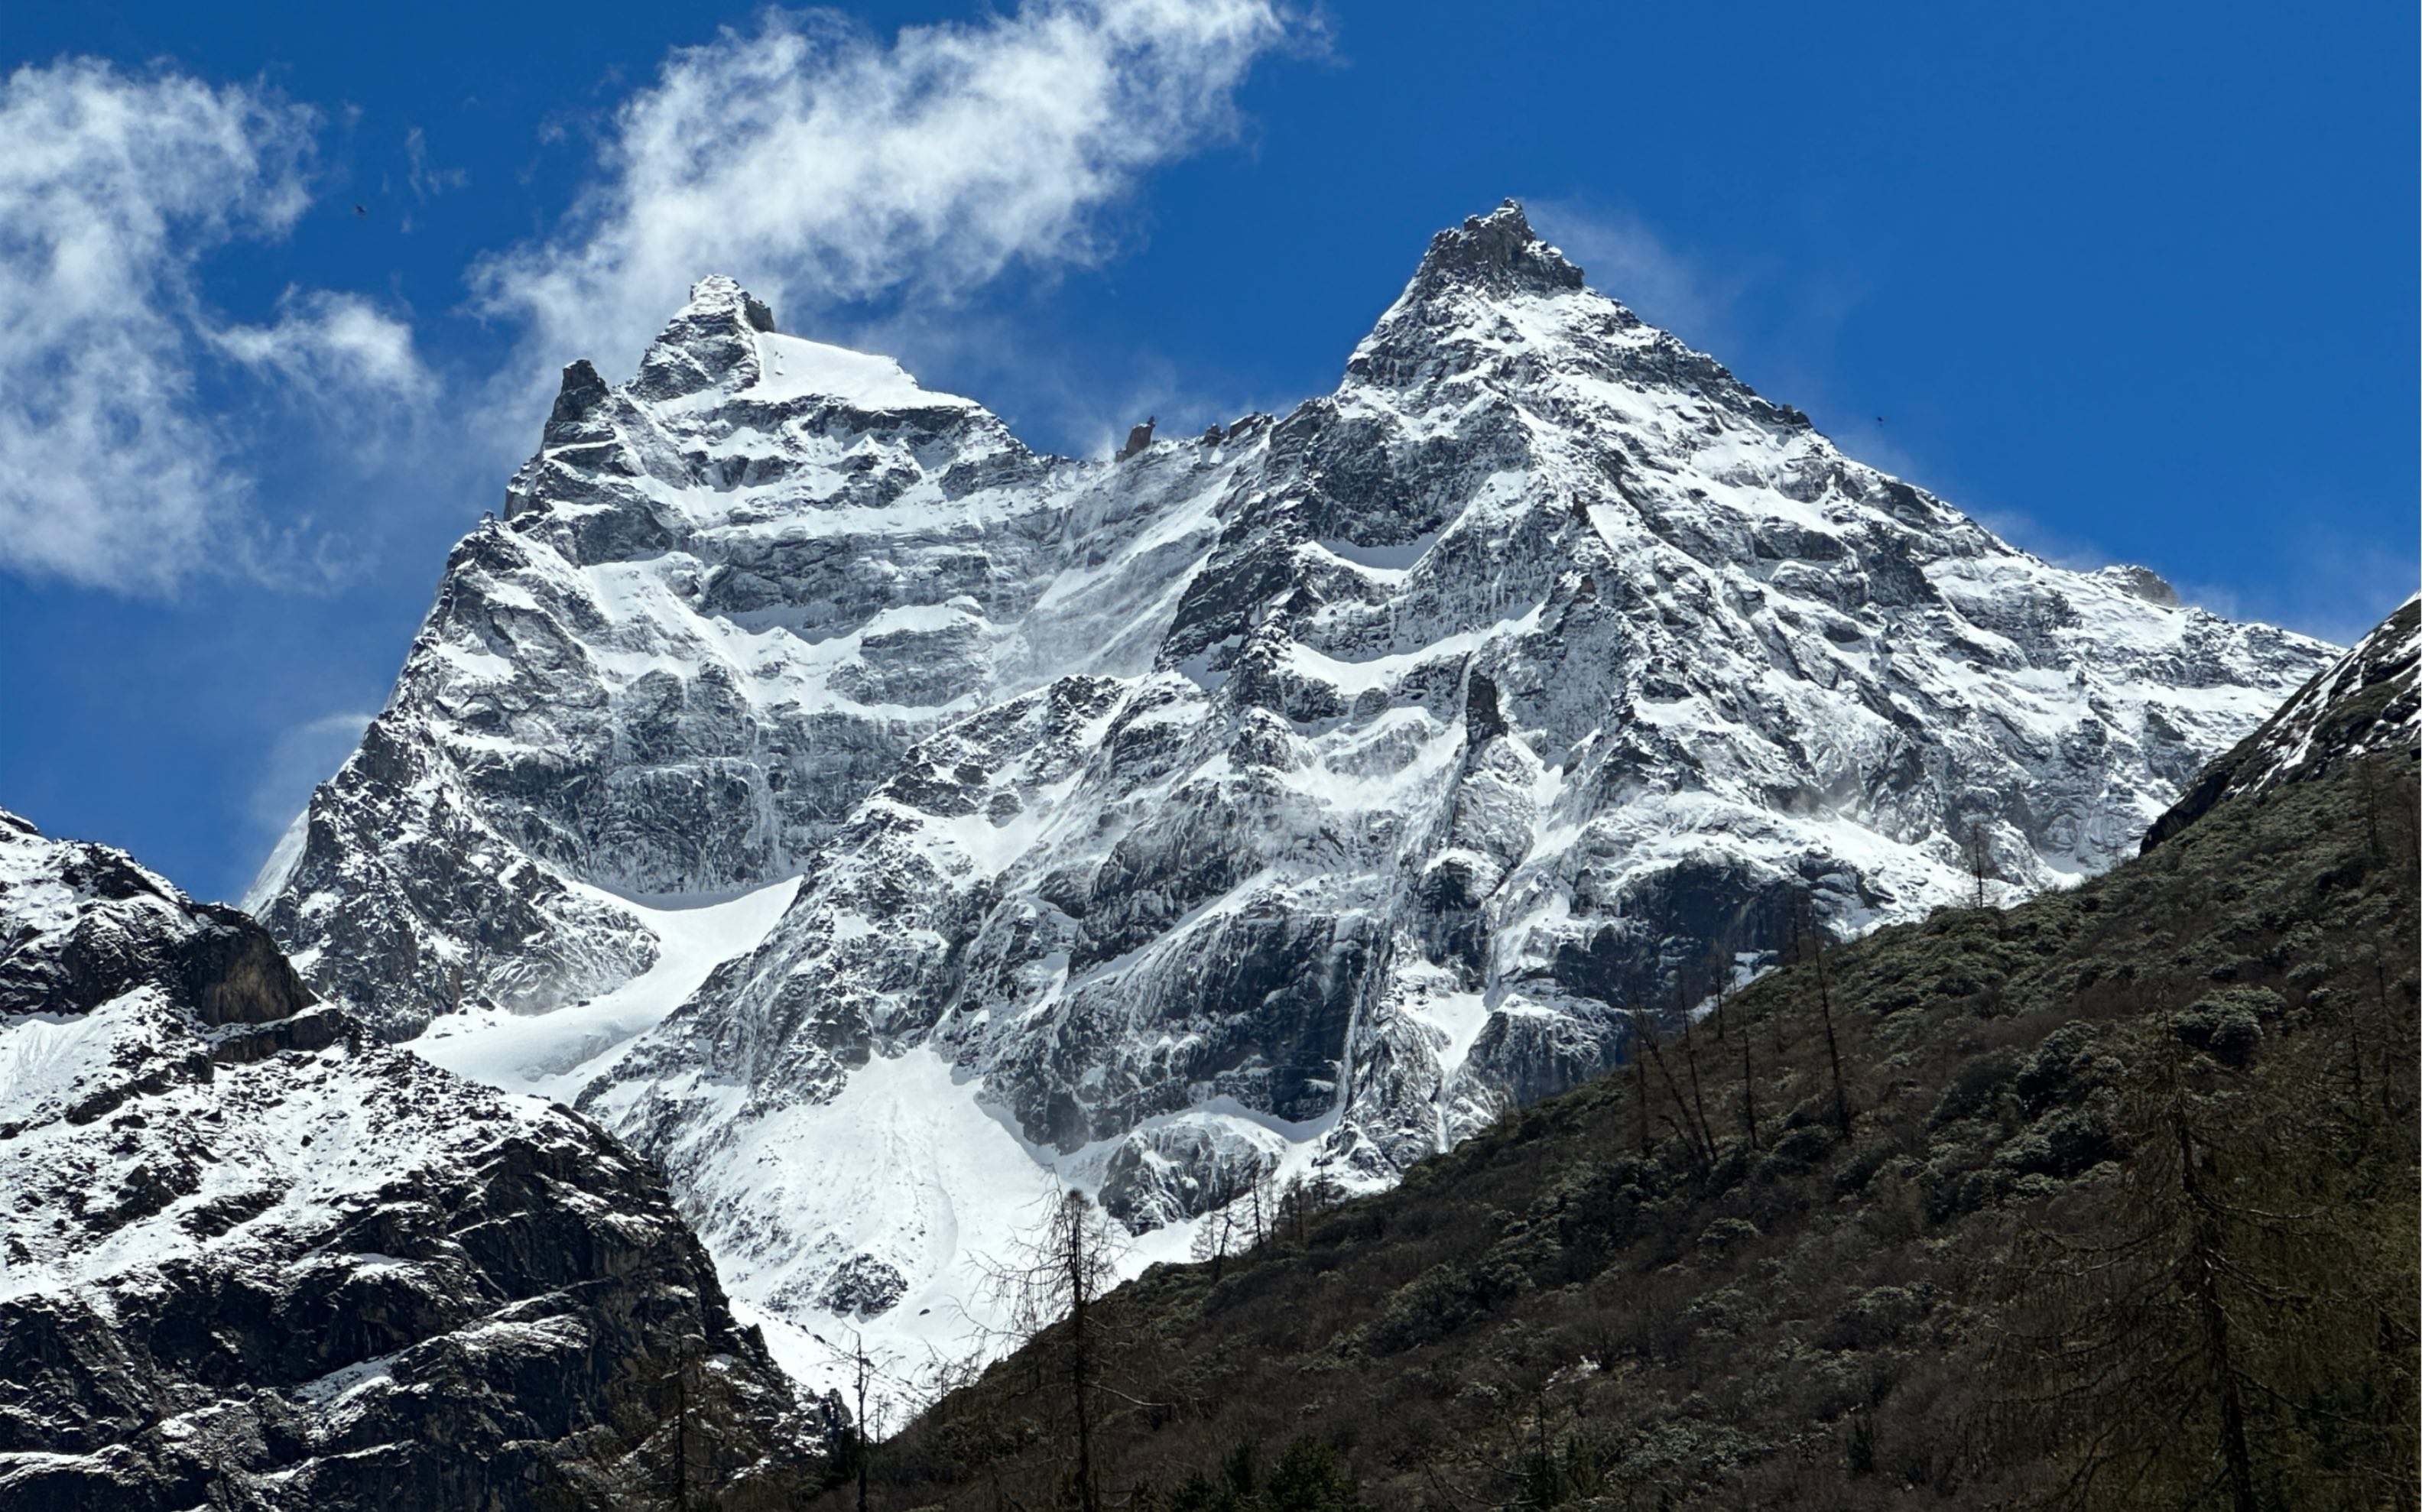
1216, 1240
2206, 1252
861, 1375
1719, 973
1690, 1060
1805, 916
1639, 1078
1055, 1284
1749, 1092
1701, 1154
1261, 1208
1720, 970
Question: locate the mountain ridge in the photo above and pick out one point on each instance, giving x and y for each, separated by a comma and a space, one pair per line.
2366, 700
1301, 795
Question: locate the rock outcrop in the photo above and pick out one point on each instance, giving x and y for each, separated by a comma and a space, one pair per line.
250, 1257
2369, 699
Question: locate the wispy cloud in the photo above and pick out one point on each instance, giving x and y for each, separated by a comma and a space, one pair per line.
1062, 394
427, 182
300, 758
2323, 581
1625, 257
303, 756
112, 187
821, 164
2030, 534
330, 345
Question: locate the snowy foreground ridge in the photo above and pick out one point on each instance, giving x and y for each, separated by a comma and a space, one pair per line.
873, 821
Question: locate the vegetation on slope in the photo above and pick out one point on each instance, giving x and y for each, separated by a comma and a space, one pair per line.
2124, 1215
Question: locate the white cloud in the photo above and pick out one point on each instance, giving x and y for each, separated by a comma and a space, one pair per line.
819, 164
113, 186
329, 345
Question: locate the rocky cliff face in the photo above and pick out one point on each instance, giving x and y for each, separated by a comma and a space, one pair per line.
2367, 700
1300, 795
251, 1258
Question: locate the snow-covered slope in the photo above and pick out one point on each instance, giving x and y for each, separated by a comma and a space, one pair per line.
251, 1258
2369, 699
554, 1054
1303, 794
723, 599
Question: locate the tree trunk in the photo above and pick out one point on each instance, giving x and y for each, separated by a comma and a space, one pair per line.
1681, 1110
1639, 1081
1832, 1046
1690, 1060
2203, 1284
680, 1431
1078, 1283
865, 1451
1749, 1091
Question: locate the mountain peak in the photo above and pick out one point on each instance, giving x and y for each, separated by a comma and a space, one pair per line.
1499, 252
724, 340
720, 296
710, 343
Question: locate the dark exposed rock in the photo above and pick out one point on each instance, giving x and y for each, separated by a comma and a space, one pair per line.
2369, 699
255, 1260
862, 1287
1497, 252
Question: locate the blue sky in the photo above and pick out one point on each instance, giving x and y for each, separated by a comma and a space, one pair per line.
2129, 283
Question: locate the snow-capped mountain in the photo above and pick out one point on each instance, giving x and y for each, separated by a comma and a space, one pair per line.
1305, 793
2367, 700
250, 1257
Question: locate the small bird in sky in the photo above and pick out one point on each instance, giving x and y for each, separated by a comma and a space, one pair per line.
361, 212
1879, 419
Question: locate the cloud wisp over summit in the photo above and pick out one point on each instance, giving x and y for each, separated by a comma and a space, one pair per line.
821, 164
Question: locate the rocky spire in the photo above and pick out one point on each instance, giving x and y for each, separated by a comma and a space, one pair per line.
710, 343
1465, 272
1497, 252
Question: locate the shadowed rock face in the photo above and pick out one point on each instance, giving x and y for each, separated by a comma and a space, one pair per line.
2369, 699
251, 1258
124, 926
1314, 789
